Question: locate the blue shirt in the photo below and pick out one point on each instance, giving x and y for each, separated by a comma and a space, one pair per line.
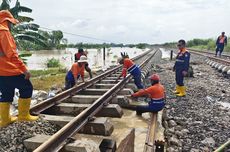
182, 61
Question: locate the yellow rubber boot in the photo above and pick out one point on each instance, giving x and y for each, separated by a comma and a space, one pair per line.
5, 118
24, 110
177, 90
182, 91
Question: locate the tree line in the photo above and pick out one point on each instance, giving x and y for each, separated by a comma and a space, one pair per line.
206, 44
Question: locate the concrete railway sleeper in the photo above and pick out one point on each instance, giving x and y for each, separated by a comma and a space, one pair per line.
70, 92
76, 113
222, 65
210, 53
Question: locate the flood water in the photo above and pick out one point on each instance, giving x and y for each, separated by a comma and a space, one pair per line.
39, 59
166, 53
131, 120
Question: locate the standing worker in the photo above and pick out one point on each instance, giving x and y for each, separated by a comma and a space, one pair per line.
132, 68
181, 68
77, 57
13, 74
220, 42
156, 93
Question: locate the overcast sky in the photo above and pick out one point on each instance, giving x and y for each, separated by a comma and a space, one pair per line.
133, 21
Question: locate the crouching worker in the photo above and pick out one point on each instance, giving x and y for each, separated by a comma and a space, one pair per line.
77, 57
156, 93
132, 68
13, 74
76, 71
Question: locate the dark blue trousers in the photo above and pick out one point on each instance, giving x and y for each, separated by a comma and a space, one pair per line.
179, 77
69, 80
153, 106
137, 81
136, 73
219, 48
8, 85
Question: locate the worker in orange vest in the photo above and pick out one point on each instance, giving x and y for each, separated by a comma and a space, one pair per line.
220, 42
132, 68
77, 57
13, 74
76, 71
156, 93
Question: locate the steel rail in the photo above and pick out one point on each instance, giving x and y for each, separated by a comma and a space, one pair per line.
208, 52
223, 147
42, 106
212, 58
60, 138
151, 134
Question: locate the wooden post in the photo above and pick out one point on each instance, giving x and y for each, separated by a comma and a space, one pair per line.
104, 56
171, 55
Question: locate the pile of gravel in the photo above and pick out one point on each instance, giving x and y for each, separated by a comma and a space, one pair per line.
12, 136
197, 122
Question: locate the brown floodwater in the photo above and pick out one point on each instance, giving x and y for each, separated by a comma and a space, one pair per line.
131, 120
39, 58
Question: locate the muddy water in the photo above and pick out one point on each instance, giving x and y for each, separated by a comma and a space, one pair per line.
131, 120
166, 53
39, 59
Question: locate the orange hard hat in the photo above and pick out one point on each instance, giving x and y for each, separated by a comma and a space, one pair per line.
155, 77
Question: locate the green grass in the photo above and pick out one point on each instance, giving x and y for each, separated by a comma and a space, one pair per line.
45, 79
46, 82
52, 63
204, 48
49, 71
200, 47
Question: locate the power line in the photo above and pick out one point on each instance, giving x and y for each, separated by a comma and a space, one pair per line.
79, 35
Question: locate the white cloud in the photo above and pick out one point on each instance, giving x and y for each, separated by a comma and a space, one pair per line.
133, 21
79, 23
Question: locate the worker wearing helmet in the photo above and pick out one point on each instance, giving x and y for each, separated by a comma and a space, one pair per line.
76, 71
77, 57
13, 74
181, 68
132, 68
156, 93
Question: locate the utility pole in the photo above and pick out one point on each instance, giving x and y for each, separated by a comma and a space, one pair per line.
104, 55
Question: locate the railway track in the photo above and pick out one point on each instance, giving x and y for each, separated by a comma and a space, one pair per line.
225, 56
70, 102
220, 64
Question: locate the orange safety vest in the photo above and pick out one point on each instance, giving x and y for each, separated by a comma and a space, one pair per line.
77, 70
128, 63
10, 64
155, 92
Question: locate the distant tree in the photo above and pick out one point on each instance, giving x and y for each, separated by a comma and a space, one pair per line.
141, 45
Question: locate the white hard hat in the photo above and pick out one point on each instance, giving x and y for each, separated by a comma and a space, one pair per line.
83, 58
